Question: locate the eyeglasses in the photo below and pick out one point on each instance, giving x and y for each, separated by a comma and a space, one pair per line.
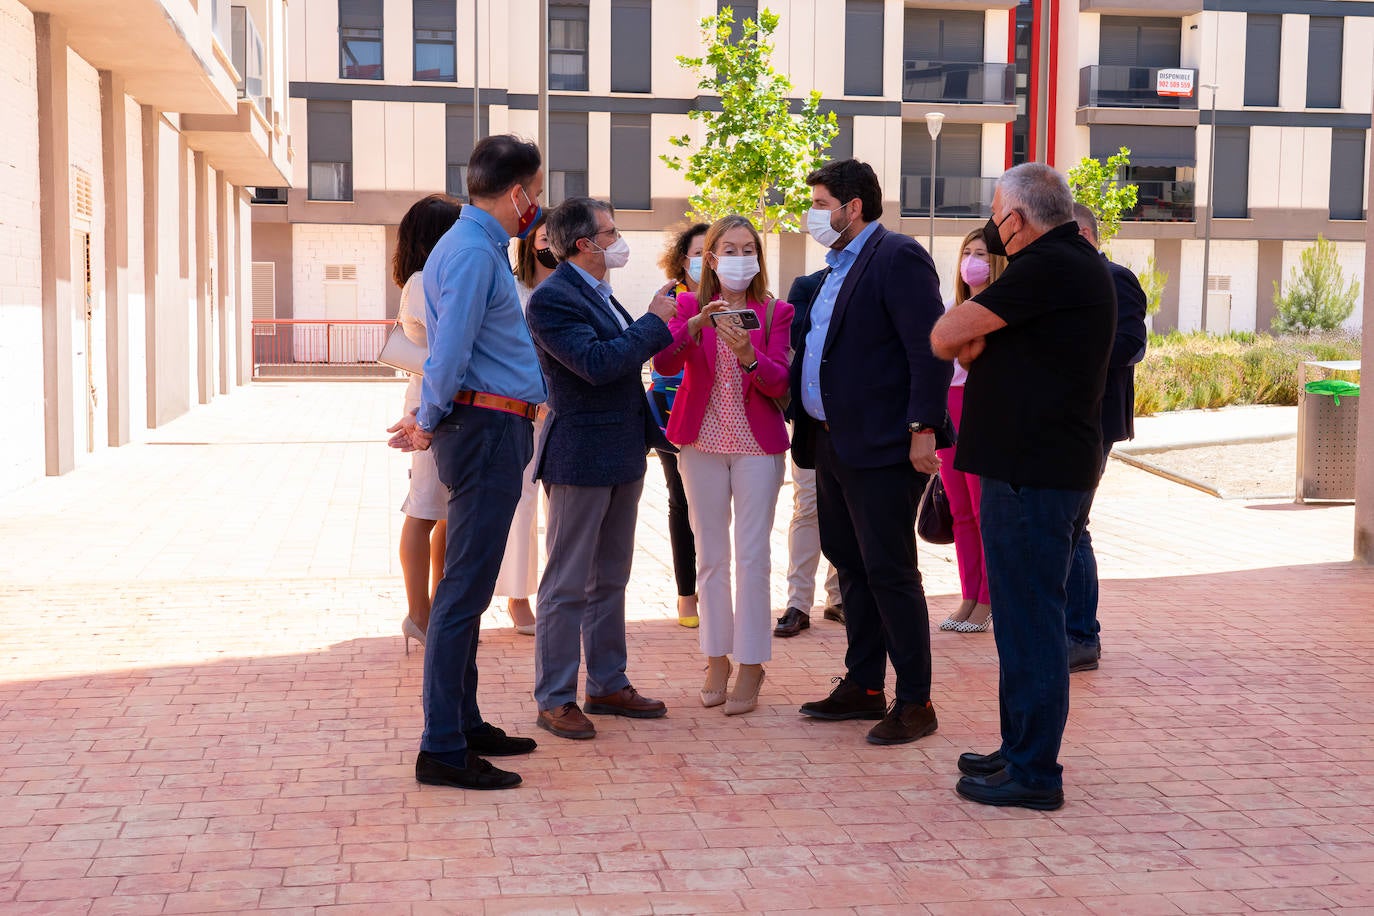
615, 233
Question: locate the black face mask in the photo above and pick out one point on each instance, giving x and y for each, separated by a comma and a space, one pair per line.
992, 236
546, 257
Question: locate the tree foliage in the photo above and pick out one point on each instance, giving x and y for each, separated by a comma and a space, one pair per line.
1317, 298
1098, 187
755, 152
1153, 281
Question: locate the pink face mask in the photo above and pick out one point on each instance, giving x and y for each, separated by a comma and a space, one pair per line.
975, 271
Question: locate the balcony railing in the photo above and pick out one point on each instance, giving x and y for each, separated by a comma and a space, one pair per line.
958, 82
248, 56
1111, 86
220, 22
954, 197
301, 342
1162, 202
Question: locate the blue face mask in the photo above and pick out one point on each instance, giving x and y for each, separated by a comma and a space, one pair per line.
694, 269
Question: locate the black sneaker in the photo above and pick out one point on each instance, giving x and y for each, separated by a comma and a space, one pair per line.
847, 701
490, 741
904, 723
478, 774
1083, 657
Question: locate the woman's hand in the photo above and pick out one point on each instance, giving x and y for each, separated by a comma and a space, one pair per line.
737, 339
701, 318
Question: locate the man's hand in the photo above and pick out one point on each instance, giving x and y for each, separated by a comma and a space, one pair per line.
923, 457
663, 305
409, 437
970, 351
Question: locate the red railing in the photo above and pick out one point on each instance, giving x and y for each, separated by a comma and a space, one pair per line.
298, 341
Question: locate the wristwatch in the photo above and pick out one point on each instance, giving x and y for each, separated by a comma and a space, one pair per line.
751, 367
919, 427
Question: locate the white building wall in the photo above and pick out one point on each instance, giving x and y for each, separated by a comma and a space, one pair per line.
21, 321
316, 245
88, 358
133, 277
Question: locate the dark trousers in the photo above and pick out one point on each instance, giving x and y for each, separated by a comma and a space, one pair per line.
679, 528
481, 455
867, 519
1028, 540
1080, 615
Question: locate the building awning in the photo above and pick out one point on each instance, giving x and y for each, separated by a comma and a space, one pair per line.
1159, 147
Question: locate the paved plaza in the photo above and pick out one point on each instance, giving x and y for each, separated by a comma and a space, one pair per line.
205, 706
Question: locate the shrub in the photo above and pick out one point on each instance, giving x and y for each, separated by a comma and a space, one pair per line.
1153, 281
1317, 298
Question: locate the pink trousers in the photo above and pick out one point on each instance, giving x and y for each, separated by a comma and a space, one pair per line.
964, 492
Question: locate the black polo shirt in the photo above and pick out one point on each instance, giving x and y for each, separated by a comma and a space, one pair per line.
1033, 400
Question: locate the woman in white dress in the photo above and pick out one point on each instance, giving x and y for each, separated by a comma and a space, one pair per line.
426, 505
519, 576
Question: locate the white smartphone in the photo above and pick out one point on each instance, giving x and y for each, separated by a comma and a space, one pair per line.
748, 319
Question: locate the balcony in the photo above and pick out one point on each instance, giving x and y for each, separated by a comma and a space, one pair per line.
1178, 8
248, 56
1110, 94
958, 82
1162, 202
955, 197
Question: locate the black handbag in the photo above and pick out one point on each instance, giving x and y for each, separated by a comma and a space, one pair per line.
934, 520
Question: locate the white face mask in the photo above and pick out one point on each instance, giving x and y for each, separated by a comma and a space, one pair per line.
694, 268
818, 224
736, 272
617, 254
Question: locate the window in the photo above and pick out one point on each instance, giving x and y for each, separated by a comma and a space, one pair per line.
842, 144
567, 156
1347, 174
632, 63
942, 60
360, 39
749, 9
1325, 45
942, 35
568, 45
959, 187
436, 33
1262, 44
631, 155
460, 141
863, 47
329, 131
1231, 194
1130, 41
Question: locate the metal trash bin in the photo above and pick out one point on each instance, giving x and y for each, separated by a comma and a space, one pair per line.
1328, 429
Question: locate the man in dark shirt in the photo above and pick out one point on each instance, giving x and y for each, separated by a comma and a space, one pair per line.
1036, 344
1118, 422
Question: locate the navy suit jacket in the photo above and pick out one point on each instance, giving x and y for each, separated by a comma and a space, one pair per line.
801, 295
599, 425
878, 373
1128, 348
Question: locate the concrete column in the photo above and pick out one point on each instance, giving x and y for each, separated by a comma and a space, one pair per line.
114, 132
1169, 259
1270, 270
791, 261
225, 280
200, 241
243, 246
391, 291
1364, 461
152, 255
55, 226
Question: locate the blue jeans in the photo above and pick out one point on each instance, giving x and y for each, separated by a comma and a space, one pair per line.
1028, 540
1081, 611
481, 455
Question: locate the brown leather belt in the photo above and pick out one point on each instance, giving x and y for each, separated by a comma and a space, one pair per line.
497, 402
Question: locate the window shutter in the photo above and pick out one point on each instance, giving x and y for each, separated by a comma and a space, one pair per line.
360, 14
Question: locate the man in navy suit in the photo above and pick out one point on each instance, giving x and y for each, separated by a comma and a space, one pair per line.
591, 460
1118, 423
869, 405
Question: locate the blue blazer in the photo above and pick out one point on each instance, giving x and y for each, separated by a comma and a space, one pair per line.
878, 373
1128, 348
599, 426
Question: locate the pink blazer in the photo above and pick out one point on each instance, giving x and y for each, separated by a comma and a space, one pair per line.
697, 362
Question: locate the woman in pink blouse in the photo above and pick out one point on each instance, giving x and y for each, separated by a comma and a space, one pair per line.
728, 423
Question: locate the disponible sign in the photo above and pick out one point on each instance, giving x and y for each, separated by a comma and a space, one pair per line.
1174, 83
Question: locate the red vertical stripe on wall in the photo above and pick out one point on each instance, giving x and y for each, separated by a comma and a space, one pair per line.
1052, 67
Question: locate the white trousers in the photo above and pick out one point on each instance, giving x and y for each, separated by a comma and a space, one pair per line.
519, 576
804, 547
742, 627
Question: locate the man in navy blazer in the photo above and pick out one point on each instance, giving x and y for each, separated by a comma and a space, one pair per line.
1118, 423
869, 412
591, 460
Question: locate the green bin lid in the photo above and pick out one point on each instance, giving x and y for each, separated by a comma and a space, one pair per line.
1334, 388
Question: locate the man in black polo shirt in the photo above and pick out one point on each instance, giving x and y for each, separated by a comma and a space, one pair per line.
1036, 344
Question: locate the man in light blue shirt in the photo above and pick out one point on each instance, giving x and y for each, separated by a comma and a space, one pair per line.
482, 384
822, 310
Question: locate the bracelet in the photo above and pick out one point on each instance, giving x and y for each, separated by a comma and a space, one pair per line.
751, 367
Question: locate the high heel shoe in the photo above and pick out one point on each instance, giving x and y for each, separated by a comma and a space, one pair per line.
524, 629
712, 696
738, 704
968, 626
959, 616
690, 621
411, 630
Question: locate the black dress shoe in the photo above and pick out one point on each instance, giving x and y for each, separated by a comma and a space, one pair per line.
478, 774
490, 741
1001, 790
1083, 657
834, 612
847, 701
904, 723
792, 622
972, 764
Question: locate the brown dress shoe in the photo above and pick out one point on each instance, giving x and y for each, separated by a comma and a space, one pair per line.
792, 622
566, 721
626, 702
904, 723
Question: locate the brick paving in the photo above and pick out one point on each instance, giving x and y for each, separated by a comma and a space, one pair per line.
207, 708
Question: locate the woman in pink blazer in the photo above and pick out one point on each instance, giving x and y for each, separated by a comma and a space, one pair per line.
729, 426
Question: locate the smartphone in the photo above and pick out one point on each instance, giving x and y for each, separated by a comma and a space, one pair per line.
748, 319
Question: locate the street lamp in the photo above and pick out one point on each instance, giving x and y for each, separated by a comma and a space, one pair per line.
934, 120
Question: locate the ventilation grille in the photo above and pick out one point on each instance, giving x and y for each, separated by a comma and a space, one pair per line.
264, 296
340, 272
1219, 283
83, 194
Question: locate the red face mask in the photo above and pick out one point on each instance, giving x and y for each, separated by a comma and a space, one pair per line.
528, 216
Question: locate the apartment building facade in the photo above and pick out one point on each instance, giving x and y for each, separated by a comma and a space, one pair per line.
385, 91
132, 132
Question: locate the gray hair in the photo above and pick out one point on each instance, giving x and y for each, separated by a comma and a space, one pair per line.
1087, 219
1039, 192
573, 219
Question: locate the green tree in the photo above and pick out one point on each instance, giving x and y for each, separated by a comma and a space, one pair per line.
1098, 187
1317, 298
755, 153
1153, 281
